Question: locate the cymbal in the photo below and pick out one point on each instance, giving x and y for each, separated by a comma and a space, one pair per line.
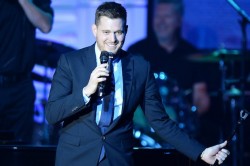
233, 91
218, 55
49, 52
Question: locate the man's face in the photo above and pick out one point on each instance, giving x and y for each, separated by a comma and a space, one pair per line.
166, 21
110, 34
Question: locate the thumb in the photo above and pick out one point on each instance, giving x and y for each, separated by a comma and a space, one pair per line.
222, 145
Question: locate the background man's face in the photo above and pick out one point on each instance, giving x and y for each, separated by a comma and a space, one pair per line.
166, 21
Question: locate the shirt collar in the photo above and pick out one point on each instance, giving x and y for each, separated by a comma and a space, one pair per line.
97, 54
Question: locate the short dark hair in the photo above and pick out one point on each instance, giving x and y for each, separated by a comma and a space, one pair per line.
110, 10
179, 5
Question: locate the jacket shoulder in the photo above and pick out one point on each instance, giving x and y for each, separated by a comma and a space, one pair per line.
138, 58
139, 46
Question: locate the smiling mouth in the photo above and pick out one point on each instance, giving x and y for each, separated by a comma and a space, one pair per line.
113, 46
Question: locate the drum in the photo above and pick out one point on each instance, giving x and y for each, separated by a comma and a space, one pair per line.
177, 105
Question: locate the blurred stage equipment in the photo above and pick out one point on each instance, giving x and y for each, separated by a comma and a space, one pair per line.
49, 52
232, 92
243, 115
40, 78
218, 55
176, 106
176, 102
235, 97
245, 19
47, 55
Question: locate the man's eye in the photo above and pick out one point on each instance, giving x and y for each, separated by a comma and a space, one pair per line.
119, 32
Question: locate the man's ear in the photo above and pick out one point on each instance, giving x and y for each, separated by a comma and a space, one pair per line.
94, 29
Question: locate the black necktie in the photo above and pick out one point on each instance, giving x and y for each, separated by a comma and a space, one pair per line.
108, 101
107, 106
107, 111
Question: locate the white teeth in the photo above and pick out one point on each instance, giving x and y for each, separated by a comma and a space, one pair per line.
111, 45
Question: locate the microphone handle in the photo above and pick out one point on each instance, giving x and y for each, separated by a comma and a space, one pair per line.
101, 87
104, 57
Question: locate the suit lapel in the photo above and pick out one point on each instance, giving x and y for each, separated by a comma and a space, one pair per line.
89, 60
127, 74
89, 64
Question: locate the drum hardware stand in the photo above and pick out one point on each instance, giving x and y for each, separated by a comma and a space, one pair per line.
237, 160
44, 100
243, 115
222, 92
46, 135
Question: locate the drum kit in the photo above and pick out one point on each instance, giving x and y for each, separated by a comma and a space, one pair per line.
232, 89
177, 106
217, 56
47, 55
235, 96
176, 101
226, 58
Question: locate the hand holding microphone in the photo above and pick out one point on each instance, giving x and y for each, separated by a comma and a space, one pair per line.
98, 77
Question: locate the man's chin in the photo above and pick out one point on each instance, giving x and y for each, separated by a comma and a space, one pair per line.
112, 51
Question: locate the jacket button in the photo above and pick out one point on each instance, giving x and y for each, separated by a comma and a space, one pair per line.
103, 137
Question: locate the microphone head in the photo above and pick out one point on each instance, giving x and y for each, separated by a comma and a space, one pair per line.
104, 57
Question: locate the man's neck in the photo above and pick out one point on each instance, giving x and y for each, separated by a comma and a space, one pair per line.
168, 44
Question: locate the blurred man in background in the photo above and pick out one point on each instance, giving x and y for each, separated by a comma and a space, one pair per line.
168, 54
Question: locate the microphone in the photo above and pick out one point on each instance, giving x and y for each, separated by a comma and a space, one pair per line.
101, 86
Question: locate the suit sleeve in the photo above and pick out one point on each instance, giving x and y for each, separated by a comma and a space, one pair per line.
62, 102
163, 125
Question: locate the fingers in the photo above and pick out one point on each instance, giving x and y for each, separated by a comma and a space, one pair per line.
222, 155
99, 73
101, 70
225, 151
216, 152
220, 159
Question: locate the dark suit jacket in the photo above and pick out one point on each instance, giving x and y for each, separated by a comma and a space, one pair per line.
81, 140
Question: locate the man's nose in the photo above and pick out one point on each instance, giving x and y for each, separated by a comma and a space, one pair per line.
113, 37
